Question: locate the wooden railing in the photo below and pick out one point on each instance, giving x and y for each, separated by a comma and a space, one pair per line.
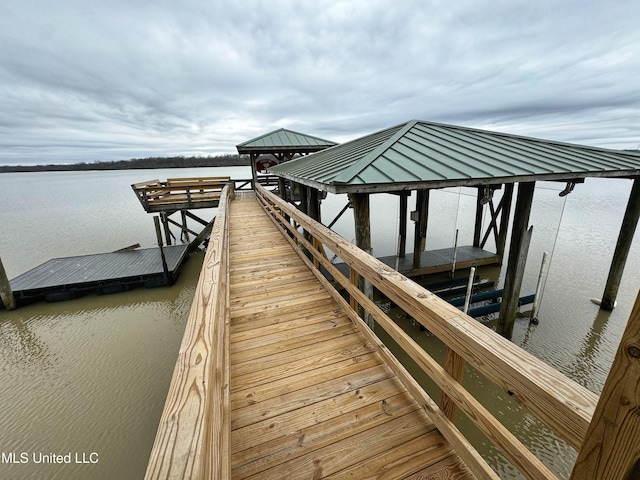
190, 192
563, 405
193, 439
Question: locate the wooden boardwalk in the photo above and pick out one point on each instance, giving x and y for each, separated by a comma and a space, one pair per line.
310, 396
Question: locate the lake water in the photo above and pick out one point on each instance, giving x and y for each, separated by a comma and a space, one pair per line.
90, 376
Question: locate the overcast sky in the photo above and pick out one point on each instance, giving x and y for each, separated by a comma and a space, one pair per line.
88, 80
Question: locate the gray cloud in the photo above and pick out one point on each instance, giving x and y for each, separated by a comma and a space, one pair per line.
91, 80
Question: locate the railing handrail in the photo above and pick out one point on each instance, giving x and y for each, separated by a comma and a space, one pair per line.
562, 404
193, 438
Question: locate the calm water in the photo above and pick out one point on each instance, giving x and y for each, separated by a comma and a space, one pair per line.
91, 375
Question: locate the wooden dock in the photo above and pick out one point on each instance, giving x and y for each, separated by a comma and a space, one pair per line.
310, 396
69, 277
278, 376
180, 193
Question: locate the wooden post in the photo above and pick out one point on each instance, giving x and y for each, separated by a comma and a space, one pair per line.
611, 448
402, 234
304, 199
361, 215
165, 268
627, 230
507, 196
184, 236
6, 295
314, 204
477, 233
420, 235
253, 157
167, 230
520, 238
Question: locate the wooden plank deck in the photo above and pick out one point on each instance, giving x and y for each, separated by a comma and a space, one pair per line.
104, 271
310, 397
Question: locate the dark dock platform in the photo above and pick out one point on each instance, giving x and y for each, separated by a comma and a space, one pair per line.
437, 261
69, 277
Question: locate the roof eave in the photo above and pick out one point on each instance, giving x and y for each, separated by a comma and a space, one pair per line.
339, 188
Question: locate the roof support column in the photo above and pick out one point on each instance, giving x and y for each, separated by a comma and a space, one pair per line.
304, 202
420, 235
402, 234
313, 208
477, 233
254, 174
627, 230
362, 220
520, 238
507, 197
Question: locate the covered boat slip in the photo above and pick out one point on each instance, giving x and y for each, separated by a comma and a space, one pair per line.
278, 376
421, 156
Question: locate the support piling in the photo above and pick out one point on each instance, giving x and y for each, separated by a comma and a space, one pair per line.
6, 295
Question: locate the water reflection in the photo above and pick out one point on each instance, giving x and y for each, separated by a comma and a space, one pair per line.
91, 375
22, 346
587, 368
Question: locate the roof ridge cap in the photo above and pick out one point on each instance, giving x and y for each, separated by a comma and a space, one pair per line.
348, 174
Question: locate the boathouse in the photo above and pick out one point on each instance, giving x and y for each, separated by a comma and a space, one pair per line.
277, 147
423, 156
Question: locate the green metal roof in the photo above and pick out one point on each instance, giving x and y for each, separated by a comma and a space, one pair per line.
420, 154
284, 140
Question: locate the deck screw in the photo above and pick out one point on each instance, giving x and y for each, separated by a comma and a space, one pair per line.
634, 351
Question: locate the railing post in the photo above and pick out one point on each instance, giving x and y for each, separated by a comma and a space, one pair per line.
611, 448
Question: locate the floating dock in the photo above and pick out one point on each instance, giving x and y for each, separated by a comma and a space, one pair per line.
437, 261
70, 277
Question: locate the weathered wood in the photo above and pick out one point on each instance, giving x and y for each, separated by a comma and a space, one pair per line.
180, 193
402, 233
165, 268
627, 230
6, 295
194, 434
314, 204
517, 258
420, 232
611, 448
477, 231
362, 219
505, 203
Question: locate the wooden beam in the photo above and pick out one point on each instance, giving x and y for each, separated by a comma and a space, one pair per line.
254, 174
627, 230
361, 216
194, 436
520, 237
507, 197
402, 234
304, 199
420, 235
6, 295
314, 204
477, 232
611, 448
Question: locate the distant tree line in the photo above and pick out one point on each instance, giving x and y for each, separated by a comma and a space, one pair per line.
227, 160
